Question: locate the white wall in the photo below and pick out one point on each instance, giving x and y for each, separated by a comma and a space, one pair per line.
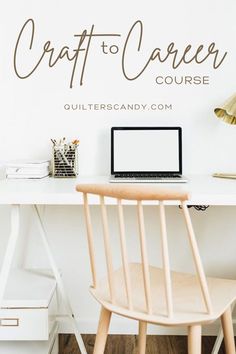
32, 111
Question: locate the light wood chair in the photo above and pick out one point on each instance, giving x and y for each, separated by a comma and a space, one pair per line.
149, 294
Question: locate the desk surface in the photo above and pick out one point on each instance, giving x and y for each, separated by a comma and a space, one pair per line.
204, 190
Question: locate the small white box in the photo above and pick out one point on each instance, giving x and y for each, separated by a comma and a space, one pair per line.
29, 306
51, 346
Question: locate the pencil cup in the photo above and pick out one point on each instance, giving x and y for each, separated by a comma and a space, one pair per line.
65, 161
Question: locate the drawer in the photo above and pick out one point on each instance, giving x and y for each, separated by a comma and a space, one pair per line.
51, 346
24, 324
27, 323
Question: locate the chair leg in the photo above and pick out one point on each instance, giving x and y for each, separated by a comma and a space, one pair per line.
194, 339
102, 332
227, 325
142, 335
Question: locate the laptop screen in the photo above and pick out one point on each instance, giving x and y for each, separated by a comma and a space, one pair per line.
146, 150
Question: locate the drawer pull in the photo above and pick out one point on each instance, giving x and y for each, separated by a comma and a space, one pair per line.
9, 322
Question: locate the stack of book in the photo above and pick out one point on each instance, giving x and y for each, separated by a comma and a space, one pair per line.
27, 169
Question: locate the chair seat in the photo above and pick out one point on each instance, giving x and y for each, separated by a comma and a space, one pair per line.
188, 303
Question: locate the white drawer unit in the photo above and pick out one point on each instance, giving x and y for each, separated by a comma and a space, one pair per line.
29, 307
51, 346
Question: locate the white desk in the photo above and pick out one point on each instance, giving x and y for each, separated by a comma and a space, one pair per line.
204, 190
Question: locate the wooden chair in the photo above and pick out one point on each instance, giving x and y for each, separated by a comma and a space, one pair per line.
149, 294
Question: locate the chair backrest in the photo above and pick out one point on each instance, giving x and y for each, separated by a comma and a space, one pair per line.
139, 193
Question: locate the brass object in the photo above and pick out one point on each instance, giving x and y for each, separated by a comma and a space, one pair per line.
227, 112
225, 175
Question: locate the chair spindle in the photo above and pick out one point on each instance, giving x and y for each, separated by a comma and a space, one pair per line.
165, 260
108, 252
124, 255
197, 259
90, 239
144, 256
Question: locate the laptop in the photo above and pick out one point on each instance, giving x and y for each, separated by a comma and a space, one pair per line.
146, 154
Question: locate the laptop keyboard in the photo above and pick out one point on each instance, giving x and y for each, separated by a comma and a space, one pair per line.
146, 176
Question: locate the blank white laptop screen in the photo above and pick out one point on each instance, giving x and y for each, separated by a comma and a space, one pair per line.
146, 150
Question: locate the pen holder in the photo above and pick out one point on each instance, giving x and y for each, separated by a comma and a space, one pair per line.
65, 161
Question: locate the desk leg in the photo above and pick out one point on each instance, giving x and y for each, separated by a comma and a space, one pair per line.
11, 246
60, 285
218, 342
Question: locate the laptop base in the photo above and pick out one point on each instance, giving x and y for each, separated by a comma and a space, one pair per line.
181, 179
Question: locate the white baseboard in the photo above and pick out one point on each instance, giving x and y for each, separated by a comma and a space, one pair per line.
125, 326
